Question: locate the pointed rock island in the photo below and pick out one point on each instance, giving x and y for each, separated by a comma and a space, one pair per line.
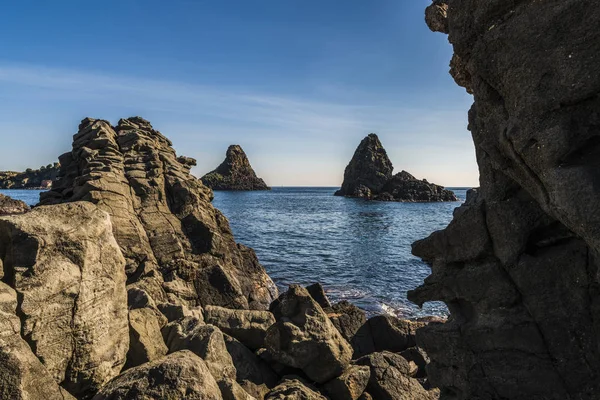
369, 175
234, 173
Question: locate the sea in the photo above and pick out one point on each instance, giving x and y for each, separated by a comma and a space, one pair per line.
358, 250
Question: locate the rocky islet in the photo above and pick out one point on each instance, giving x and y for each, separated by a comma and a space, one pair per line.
369, 175
234, 173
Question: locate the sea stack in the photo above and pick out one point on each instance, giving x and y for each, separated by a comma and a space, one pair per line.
369, 175
234, 173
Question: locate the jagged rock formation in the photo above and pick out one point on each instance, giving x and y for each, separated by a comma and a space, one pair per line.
369, 175
126, 283
10, 206
68, 275
178, 247
30, 179
234, 173
518, 265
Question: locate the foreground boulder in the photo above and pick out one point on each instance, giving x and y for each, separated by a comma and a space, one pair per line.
10, 206
518, 265
206, 341
303, 337
234, 173
247, 326
391, 379
252, 373
178, 247
385, 332
178, 376
292, 388
369, 176
22, 375
68, 272
350, 385
347, 318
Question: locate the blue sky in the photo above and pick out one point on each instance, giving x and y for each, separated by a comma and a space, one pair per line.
297, 83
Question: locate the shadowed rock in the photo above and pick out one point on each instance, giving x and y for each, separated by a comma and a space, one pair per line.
518, 265
68, 273
178, 376
369, 176
292, 388
303, 337
391, 379
234, 173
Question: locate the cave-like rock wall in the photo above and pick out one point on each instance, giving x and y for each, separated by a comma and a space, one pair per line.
518, 265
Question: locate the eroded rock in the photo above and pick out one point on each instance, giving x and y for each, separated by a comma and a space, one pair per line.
67, 269
178, 247
178, 376
247, 326
303, 337
234, 173
369, 176
391, 379
522, 292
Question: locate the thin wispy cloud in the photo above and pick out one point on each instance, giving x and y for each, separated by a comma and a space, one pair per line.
330, 123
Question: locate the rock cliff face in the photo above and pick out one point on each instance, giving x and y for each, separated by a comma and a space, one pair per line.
234, 173
369, 175
518, 265
70, 305
178, 248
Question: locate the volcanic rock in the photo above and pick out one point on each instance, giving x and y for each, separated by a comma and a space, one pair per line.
385, 332
10, 206
178, 247
347, 318
350, 385
518, 265
178, 376
234, 173
303, 337
252, 373
293, 388
391, 378
368, 171
369, 176
247, 326
68, 272
22, 375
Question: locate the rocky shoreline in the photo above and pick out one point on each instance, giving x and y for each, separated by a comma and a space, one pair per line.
369, 176
125, 282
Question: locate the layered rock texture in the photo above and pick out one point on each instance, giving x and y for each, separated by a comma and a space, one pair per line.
29, 179
234, 173
126, 283
369, 175
518, 265
178, 247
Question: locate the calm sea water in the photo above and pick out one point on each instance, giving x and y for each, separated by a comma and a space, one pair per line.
359, 250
